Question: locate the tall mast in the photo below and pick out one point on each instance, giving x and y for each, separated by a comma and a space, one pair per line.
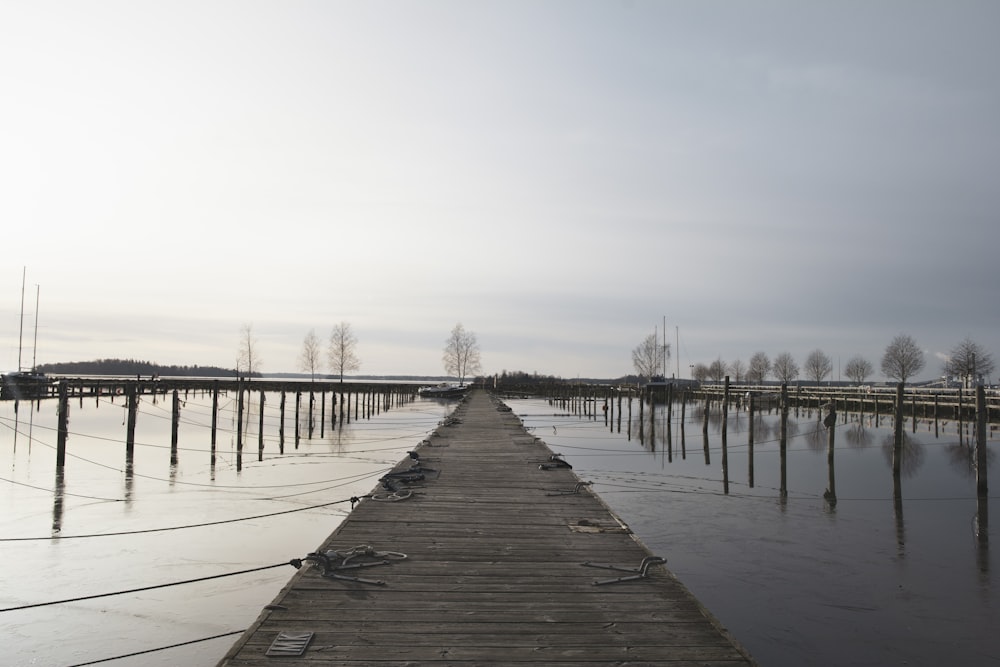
34, 345
20, 334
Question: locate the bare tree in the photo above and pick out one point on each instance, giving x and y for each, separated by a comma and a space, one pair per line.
646, 357
310, 360
247, 359
738, 370
760, 368
858, 369
818, 366
342, 356
461, 354
902, 359
785, 368
969, 361
717, 370
699, 372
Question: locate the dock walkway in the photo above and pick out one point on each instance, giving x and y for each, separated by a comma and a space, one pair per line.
495, 540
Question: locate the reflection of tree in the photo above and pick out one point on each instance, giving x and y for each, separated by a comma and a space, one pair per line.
857, 435
816, 436
912, 454
963, 458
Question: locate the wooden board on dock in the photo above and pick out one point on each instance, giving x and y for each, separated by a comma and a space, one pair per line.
495, 544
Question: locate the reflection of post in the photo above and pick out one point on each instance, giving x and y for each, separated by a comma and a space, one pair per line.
982, 488
830, 421
725, 448
897, 434
983, 533
57, 504
783, 440
897, 506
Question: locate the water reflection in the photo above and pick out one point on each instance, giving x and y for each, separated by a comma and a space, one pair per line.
57, 502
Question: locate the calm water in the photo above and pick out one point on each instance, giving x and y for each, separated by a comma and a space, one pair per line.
99, 497
797, 582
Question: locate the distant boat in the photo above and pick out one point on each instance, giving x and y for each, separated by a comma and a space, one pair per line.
443, 390
22, 384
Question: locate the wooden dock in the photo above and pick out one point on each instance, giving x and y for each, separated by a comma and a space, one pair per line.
495, 540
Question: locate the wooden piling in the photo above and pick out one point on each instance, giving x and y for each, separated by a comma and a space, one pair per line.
982, 487
175, 419
783, 441
63, 425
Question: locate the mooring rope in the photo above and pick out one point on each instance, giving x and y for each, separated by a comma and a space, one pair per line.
145, 588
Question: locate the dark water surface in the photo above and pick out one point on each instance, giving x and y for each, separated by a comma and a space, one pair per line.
796, 580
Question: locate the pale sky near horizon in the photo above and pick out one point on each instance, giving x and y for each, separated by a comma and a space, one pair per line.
558, 176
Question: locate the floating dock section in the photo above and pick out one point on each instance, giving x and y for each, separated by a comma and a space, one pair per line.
490, 551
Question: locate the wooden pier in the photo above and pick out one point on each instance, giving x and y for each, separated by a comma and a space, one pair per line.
489, 560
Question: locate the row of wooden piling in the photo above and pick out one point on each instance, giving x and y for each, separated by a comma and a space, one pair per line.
368, 400
586, 404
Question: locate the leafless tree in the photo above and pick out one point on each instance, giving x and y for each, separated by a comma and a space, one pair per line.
858, 369
717, 370
818, 366
310, 360
759, 369
646, 357
902, 359
738, 370
969, 361
785, 368
699, 372
342, 352
461, 354
247, 359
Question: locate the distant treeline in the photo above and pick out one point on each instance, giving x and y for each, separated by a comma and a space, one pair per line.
127, 367
509, 379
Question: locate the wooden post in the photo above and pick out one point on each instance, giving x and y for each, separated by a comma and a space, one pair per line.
750, 416
260, 429
982, 488
175, 420
725, 447
831, 428
281, 425
132, 401
215, 414
63, 425
239, 424
312, 404
298, 405
239, 418
783, 440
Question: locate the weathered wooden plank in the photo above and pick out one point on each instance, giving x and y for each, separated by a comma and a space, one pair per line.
494, 571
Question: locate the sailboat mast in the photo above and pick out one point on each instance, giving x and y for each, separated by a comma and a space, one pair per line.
20, 334
34, 345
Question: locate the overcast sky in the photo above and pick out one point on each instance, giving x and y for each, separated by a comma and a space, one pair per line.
559, 177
